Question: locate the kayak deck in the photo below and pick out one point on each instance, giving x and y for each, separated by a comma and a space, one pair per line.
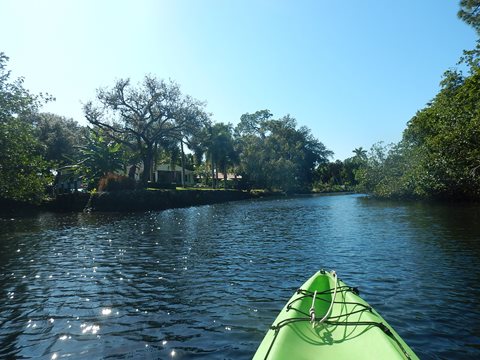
345, 328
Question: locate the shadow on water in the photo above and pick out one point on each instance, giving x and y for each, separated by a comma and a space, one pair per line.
441, 254
456, 227
208, 281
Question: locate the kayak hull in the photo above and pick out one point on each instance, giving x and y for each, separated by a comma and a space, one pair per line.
351, 329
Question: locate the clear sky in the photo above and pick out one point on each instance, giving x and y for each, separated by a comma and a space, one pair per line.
352, 71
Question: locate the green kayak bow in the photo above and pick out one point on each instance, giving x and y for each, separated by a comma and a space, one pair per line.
326, 319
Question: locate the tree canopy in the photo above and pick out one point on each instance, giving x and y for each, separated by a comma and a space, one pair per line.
275, 154
141, 117
439, 155
98, 157
23, 168
470, 13
59, 136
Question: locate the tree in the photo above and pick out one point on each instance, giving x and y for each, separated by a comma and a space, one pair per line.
333, 176
331, 173
140, 118
23, 171
98, 157
15, 100
275, 154
253, 160
59, 136
220, 150
352, 165
360, 153
253, 124
447, 132
470, 13
439, 154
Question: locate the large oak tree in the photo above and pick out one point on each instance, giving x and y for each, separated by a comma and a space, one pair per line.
144, 116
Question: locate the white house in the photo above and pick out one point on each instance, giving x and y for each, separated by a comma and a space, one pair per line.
67, 180
165, 174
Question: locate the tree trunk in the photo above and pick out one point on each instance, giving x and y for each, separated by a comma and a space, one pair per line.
147, 165
213, 172
154, 163
183, 163
225, 177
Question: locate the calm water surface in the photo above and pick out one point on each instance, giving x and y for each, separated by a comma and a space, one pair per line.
206, 282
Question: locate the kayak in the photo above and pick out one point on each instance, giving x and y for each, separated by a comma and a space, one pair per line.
326, 319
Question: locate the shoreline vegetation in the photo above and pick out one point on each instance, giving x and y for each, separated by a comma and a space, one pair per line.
142, 200
135, 131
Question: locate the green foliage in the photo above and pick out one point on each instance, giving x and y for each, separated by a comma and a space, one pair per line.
253, 124
220, 149
331, 173
341, 175
329, 188
439, 155
99, 157
470, 13
448, 133
23, 171
143, 117
59, 136
274, 154
15, 100
391, 171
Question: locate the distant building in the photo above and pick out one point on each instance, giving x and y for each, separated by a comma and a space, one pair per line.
67, 181
168, 174
164, 174
230, 176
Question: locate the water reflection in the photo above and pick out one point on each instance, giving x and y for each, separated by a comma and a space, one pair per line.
208, 281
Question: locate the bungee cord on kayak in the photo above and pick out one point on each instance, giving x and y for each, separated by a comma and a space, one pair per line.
334, 274
312, 309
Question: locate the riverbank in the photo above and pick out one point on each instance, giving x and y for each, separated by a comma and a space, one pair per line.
139, 200
145, 200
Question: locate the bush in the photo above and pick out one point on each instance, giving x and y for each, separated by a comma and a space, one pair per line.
115, 182
327, 188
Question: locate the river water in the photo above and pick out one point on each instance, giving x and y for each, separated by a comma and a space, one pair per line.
207, 282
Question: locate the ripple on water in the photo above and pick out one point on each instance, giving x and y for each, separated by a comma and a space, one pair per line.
207, 282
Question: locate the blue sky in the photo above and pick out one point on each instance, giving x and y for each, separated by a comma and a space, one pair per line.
352, 71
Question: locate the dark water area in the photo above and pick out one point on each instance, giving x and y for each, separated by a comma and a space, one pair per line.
207, 282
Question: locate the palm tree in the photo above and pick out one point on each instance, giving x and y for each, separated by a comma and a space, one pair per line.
360, 153
220, 150
99, 157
